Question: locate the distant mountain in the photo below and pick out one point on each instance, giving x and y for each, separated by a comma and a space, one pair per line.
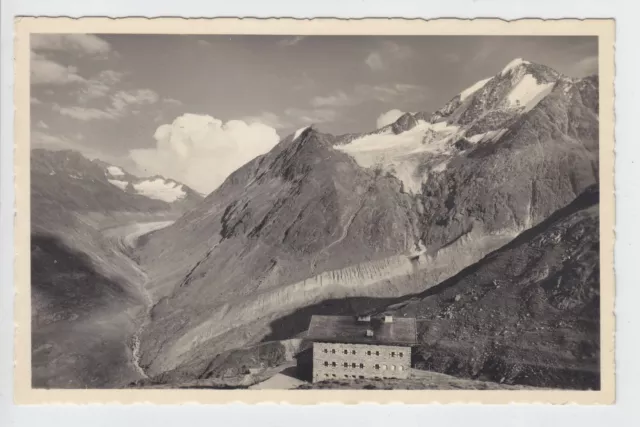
382, 214
85, 290
67, 182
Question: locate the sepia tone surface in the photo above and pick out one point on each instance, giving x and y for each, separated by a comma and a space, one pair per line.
369, 247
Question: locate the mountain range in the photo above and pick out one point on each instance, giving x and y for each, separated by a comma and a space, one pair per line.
341, 224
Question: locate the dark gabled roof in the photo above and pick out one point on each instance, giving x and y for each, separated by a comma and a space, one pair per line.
347, 329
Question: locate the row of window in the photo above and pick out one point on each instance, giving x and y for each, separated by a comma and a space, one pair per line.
361, 366
351, 376
368, 352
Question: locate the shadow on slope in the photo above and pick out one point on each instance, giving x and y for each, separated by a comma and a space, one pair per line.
79, 320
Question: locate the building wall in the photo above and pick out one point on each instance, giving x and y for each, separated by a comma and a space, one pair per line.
371, 361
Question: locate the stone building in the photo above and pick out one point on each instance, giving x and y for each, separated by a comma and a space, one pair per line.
349, 347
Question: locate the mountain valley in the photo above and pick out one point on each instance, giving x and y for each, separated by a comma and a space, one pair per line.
479, 219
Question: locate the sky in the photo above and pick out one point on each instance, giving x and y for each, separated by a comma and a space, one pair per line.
196, 107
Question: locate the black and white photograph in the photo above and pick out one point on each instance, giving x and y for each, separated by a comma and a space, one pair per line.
304, 212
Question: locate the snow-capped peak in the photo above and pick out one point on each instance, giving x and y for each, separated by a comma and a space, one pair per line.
160, 189
513, 64
473, 89
120, 184
299, 132
528, 92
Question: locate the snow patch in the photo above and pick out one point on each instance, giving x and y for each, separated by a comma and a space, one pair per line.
120, 184
402, 154
440, 167
443, 127
115, 171
528, 92
160, 189
473, 89
299, 131
492, 136
513, 64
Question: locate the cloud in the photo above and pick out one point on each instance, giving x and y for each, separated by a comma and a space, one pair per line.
84, 44
83, 113
99, 86
388, 53
387, 93
42, 125
203, 43
202, 151
171, 101
269, 119
310, 116
290, 41
121, 100
42, 139
374, 61
45, 71
122, 103
387, 118
585, 67
394, 92
35, 101
338, 99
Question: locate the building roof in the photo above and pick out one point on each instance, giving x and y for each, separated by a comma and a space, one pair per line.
347, 329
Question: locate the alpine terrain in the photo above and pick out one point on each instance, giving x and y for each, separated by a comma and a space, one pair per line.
469, 217
87, 294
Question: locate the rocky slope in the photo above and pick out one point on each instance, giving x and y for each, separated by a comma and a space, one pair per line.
85, 292
383, 214
528, 313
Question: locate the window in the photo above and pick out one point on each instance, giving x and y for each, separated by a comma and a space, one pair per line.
326, 363
346, 365
393, 367
326, 351
361, 377
353, 352
333, 364
393, 354
377, 353
333, 375
399, 368
362, 366
346, 352
326, 375
353, 365
346, 376
369, 353
400, 354
353, 376
384, 367
377, 366
333, 351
